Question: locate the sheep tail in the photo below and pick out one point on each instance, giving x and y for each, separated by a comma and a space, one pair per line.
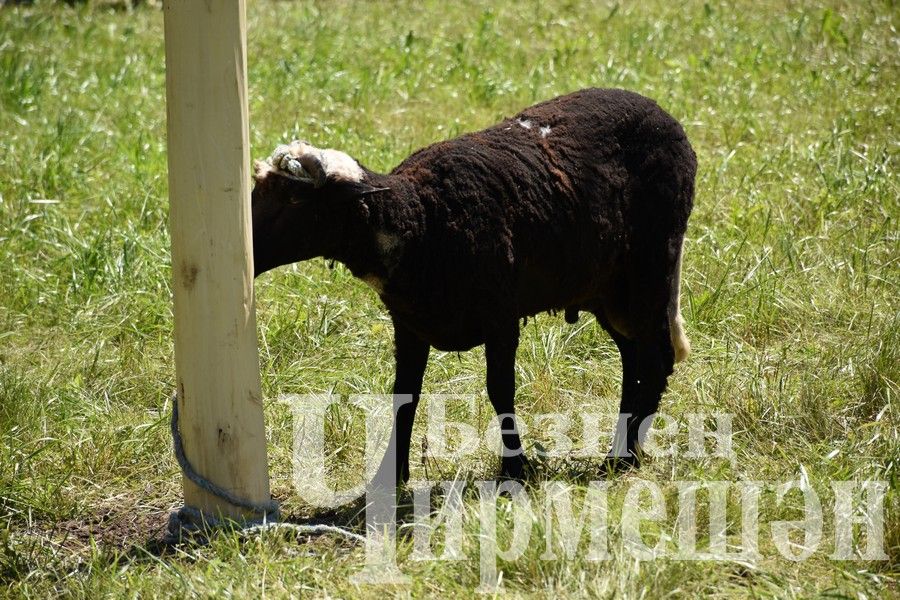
680, 343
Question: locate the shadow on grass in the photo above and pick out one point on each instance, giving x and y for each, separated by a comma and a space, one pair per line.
142, 537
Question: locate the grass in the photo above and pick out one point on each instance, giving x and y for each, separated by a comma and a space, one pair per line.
790, 282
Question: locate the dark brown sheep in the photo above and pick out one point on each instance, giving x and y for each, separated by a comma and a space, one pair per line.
576, 204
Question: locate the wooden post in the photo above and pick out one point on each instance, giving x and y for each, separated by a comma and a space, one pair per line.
216, 358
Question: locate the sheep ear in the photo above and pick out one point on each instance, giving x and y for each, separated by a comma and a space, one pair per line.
360, 188
369, 189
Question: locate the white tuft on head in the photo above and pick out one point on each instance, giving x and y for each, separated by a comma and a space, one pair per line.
525, 123
545, 131
337, 165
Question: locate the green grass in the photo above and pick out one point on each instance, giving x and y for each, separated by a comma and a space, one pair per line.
790, 281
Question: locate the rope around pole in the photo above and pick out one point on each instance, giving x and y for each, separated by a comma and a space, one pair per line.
191, 521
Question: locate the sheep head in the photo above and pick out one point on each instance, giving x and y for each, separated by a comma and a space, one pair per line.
302, 202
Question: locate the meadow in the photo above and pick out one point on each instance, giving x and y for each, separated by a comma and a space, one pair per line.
790, 283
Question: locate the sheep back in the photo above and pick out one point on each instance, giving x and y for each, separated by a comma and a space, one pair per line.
551, 209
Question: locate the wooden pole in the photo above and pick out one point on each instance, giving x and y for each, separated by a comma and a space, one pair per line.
216, 357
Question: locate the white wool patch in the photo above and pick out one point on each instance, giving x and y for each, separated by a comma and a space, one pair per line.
390, 249
387, 242
341, 166
525, 123
336, 164
545, 131
680, 343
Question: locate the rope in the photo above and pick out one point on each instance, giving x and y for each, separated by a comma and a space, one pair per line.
192, 521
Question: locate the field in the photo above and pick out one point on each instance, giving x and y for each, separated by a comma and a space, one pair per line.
790, 284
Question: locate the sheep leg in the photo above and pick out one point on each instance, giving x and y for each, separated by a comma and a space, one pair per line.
619, 457
500, 353
411, 355
646, 365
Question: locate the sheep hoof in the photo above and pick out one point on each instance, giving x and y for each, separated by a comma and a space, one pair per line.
515, 468
616, 465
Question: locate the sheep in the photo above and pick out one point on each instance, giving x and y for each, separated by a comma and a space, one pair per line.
579, 203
